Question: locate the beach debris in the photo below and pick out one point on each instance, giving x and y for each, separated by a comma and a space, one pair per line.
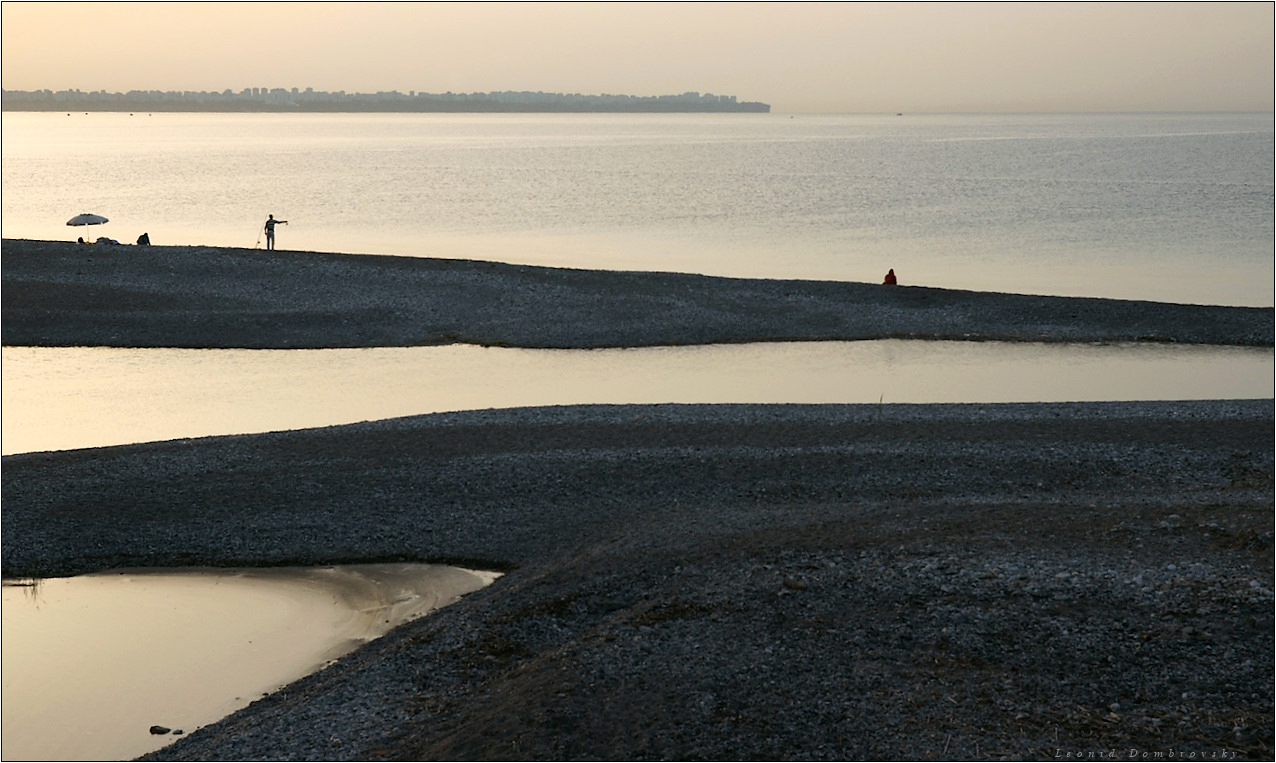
159, 730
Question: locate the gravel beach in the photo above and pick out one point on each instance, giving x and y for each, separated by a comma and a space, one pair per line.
64, 294
699, 582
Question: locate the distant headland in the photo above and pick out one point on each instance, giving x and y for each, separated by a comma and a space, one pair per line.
260, 99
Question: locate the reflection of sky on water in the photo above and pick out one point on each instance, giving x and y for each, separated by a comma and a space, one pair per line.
92, 662
1165, 207
60, 398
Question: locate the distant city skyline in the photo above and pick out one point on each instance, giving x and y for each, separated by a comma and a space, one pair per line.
799, 57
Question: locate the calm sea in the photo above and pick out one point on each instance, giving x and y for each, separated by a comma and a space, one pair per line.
1163, 207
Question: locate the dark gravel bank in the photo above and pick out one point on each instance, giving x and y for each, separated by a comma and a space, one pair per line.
63, 294
733, 582
691, 582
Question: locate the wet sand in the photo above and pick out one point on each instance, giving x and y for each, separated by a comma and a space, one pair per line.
707, 582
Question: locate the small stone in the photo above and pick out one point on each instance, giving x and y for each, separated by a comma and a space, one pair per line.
157, 730
793, 584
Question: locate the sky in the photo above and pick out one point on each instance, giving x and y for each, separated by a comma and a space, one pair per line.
799, 57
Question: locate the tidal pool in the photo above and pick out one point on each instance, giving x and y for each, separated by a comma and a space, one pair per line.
92, 662
63, 398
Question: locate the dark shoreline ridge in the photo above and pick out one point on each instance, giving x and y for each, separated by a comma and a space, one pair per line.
64, 294
731, 582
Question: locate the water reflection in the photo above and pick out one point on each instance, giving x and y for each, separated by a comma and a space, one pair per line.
92, 662
60, 398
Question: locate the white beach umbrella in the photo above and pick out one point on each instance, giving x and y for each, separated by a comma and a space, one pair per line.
87, 219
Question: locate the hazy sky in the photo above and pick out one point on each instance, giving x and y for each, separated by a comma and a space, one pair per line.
799, 57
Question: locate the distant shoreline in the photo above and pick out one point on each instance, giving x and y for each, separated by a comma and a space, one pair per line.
317, 108
275, 100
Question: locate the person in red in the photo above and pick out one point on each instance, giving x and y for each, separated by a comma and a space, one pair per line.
890, 278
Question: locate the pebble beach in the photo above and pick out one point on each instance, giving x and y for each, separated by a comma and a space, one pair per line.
691, 582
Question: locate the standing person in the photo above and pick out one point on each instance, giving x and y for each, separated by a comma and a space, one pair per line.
270, 230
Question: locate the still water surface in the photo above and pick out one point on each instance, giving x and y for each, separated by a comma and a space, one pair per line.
1168, 207
92, 662
63, 398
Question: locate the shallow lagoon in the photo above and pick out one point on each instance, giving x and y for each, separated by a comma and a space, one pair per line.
63, 398
92, 662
